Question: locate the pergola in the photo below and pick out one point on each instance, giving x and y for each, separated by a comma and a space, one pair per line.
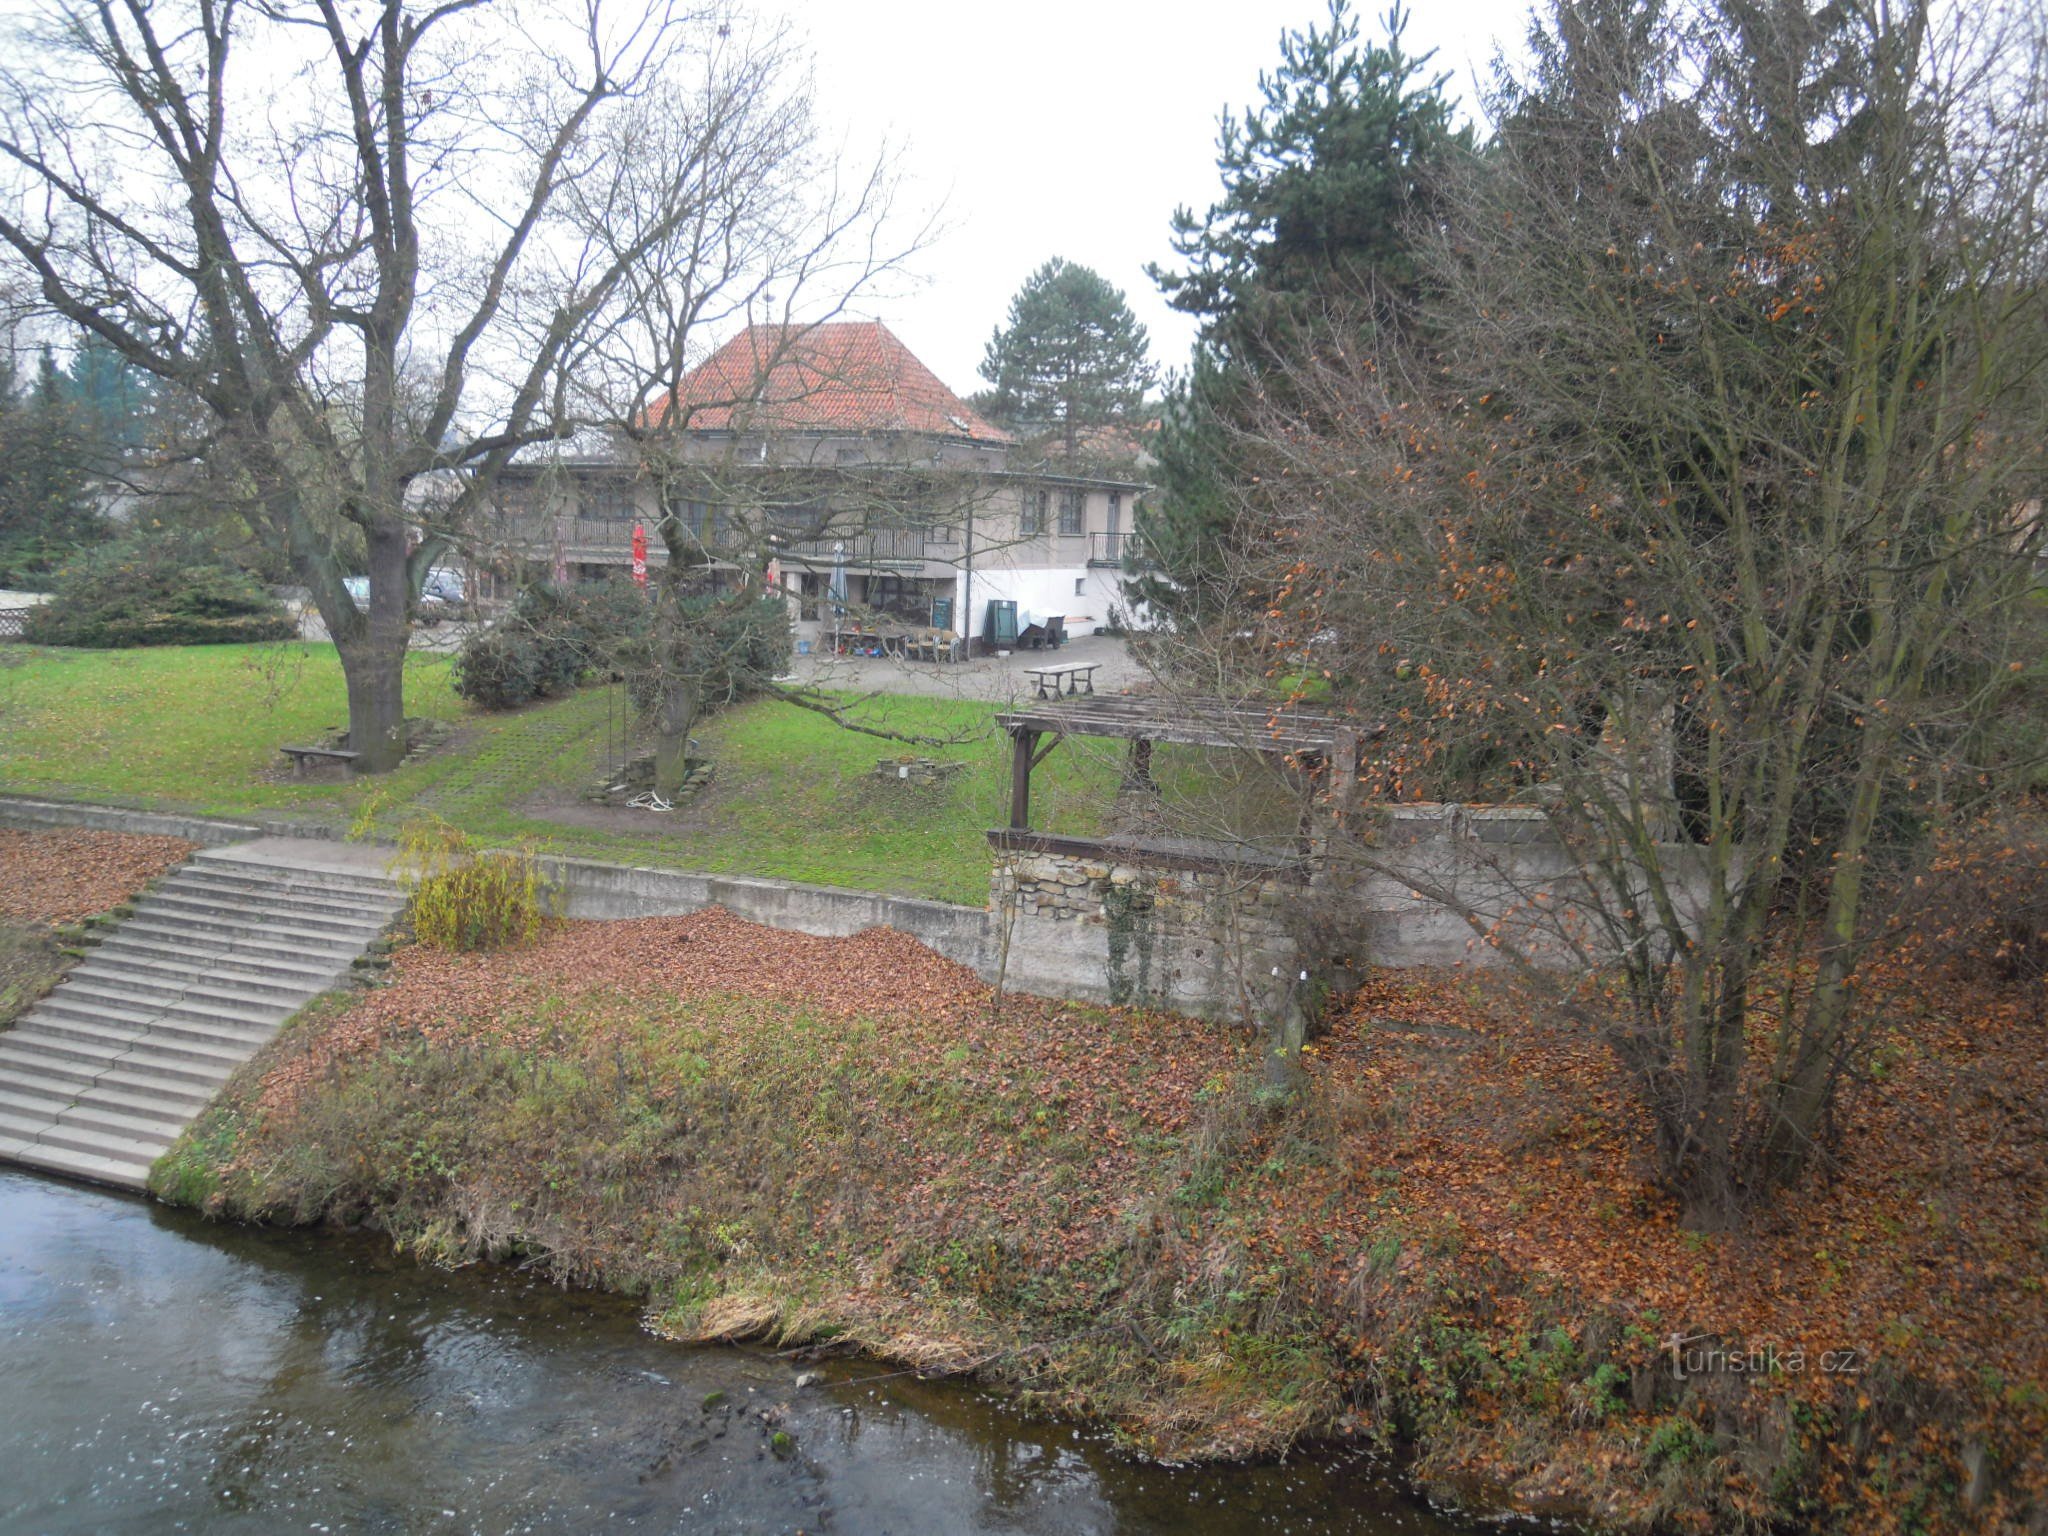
1300, 739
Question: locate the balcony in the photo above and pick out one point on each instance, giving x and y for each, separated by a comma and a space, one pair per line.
877, 546
1120, 551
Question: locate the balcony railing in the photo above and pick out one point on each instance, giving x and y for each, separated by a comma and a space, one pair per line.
877, 545
1117, 549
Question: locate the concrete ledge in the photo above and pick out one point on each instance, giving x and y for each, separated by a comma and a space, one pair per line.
595, 890
212, 832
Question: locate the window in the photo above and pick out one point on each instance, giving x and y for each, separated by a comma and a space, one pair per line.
1079, 583
1073, 512
612, 502
1033, 521
1116, 512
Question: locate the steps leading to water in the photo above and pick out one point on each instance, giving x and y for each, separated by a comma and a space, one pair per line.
101, 1076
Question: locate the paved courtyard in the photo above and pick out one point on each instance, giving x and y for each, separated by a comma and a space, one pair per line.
991, 679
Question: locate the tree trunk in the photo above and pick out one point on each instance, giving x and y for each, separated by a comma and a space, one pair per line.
374, 661
674, 715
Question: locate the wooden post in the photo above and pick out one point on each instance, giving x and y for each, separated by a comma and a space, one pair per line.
1023, 740
1138, 775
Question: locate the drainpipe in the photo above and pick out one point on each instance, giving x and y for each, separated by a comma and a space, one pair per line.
966, 617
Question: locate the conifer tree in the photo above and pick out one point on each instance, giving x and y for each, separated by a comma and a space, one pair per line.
1070, 357
1319, 180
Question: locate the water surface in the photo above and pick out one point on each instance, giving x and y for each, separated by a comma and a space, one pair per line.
160, 1373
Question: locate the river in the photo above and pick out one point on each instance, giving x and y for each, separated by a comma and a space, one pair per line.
161, 1373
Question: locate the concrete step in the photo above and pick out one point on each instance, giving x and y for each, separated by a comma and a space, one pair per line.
121, 1169
268, 942
158, 1124
132, 949
62, 1055
93, 1054
216, 863
139, 1087
142, 980
243, 927
258, 911
91, 1000
19, 1097
169, 1033
217, 880
23, 1124
40, 1080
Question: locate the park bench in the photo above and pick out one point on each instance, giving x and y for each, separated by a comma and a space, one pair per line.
315, 757
1074, 675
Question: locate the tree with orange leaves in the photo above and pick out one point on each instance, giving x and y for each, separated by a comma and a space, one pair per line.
1710, 521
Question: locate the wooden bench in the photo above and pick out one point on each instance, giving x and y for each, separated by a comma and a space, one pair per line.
1076, 675
315, 757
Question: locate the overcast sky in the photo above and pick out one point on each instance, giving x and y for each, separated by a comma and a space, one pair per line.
1067, 128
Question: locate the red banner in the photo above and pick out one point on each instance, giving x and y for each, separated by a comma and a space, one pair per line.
640, 554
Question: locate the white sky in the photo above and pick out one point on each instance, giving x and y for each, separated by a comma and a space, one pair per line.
1068, 128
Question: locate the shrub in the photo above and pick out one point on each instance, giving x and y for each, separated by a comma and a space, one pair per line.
1982, 905
540, 648
500, 668
156, 589
731, 650
465, 898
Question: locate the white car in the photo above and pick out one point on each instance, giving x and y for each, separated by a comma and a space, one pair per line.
440, 597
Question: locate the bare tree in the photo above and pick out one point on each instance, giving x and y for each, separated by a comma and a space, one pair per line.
346, 232
781, 237
1706, 522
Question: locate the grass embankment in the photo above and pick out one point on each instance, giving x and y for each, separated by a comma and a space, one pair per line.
1449, 1243
794, 796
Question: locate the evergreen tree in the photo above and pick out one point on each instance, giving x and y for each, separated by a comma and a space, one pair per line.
1070, 357
45, 467
1320, 181
112, 393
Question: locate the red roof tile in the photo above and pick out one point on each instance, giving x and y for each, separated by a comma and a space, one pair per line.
847, 376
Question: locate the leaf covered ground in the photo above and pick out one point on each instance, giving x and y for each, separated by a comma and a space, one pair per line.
68, 873
1449, 1243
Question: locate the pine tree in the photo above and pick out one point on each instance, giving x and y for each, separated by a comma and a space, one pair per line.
1320, 182
1070, 357
45, 463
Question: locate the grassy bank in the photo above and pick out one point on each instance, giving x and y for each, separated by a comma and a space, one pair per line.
1447, 1244
794, 795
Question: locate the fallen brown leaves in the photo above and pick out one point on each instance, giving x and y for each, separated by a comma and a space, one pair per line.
1913, 1248
1100, 1088
65, 874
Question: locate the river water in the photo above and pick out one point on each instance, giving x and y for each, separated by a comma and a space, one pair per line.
160, 1373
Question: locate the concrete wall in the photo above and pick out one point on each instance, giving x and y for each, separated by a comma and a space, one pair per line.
1201, 941
207, 831
616, 890
1504, 863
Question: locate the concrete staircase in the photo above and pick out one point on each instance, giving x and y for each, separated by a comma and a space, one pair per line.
101, 1076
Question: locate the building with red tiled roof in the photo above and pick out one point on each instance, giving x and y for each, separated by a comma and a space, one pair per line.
832, 459
850, 376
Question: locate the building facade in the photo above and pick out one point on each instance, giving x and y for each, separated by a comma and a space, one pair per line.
831, 463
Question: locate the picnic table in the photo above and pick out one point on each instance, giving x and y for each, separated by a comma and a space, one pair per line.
1074, 675
903, 641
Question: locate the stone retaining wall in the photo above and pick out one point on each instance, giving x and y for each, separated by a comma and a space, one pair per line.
1198, 941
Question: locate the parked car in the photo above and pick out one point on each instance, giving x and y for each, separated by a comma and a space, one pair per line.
434, 605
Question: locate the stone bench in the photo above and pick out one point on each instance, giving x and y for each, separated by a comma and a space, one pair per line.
304, 758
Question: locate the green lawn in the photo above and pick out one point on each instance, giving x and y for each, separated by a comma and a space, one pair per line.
794, 795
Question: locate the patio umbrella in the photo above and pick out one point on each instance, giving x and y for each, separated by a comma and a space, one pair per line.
838, 589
